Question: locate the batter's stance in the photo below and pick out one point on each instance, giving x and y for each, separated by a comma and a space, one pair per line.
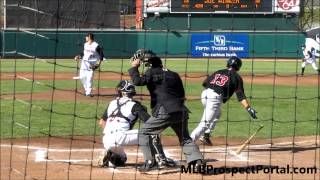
168, 110
92, 57
219, 87
118, 121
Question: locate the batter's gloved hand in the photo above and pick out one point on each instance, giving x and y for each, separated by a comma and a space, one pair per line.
94, 66
252, 112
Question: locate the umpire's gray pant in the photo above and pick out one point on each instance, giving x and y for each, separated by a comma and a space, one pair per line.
178, 121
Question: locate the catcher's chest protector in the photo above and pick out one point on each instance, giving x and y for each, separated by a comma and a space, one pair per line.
120, 115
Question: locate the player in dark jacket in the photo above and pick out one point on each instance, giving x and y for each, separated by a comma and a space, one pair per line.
168, 110
219, 87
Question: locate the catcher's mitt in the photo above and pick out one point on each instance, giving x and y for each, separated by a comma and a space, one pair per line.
94, 66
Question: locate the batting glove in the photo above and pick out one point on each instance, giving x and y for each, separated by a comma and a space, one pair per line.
252, 112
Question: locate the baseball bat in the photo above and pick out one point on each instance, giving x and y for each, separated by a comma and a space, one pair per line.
245, 144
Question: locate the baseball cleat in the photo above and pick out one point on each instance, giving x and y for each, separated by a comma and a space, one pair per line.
153, 168
205, 139
103, 160
149, 165
198, 165
167, 163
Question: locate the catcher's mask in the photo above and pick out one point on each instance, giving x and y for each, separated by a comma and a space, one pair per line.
126, 87
234, 62
148, 57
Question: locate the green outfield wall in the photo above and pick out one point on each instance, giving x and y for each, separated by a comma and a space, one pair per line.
122, 44
236, 22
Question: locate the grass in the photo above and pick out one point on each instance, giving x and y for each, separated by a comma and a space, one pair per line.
22, 86
80, 119
283, 110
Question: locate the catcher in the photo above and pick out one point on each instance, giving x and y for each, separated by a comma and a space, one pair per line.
91, 57
118, 121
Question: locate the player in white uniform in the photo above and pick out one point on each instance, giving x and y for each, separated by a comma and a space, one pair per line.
91, 57
310, 55
118, 121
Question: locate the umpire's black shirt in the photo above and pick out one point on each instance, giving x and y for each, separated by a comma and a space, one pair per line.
165, 87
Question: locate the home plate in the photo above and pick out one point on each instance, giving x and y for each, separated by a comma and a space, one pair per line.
76, 77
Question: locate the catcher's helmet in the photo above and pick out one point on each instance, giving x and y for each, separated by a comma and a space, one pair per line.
126, 87
234, 62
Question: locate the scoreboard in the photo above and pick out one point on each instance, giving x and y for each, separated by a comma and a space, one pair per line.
222, 6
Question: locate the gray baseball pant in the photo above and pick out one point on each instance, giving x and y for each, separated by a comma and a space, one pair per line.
178, 121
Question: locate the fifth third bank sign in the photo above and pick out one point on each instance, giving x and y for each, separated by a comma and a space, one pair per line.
220, 45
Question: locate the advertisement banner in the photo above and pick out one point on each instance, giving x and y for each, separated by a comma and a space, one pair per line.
151, 6
287, 6
219, 45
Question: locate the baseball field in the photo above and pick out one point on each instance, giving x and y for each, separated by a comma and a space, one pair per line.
49, 128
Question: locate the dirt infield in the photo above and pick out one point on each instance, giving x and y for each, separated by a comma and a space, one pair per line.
77, 159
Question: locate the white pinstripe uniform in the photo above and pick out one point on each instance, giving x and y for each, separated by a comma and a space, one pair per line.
310, 58
117, 132
90, 56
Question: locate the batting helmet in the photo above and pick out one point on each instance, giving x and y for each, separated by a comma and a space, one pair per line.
126, 87
234, 62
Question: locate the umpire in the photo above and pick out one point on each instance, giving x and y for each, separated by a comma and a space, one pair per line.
168, 110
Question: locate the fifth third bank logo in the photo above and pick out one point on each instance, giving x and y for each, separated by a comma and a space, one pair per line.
219, 40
